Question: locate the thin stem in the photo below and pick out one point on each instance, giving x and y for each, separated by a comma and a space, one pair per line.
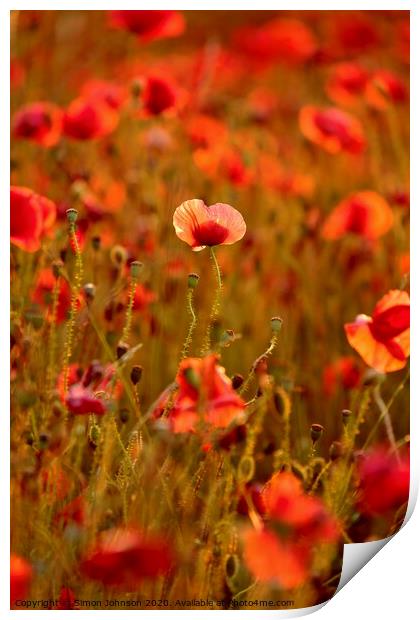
193, 323
214, 313
52, 344
267, 352
387, 419
129, 312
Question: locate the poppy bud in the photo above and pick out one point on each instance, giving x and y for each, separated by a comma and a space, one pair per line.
232, 566
336, 450
118, 255
193, 279
316, 432
95, 435
135, 268
346, 415
124, 415
276, 323
237, 381
72, 215
57, 266
89, 290
122, 349
246, 468
96, 242
43, 441
136, 373
372, 378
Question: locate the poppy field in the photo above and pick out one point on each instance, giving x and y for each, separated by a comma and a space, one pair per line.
210, 312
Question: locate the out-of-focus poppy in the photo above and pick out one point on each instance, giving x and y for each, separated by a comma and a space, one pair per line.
40, 122
110, 93
383, 339
281, 40
384, 482
204, 395
201, 226
17, 73
347, 83
143, 297
20, 578
149, 25
342, 373
31, 217
124, 557
67, 599
332, 129
224, 162
43, 294
355, 32
72, 512
82, 401
365, 213
385, 87
204, 130
270, 173
89, 119
101, 195
159, 95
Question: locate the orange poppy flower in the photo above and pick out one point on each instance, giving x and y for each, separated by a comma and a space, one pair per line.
204, 394
149, 25
346, 84
385, 87
89, 119
20, 578
31, 217
201, 226
342, 373
383, 339
224, 162
123, 557
365, 213
332, 129
204, 130
40, 122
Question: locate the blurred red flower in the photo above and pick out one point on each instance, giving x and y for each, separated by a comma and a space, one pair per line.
204, 130
201, 226
342, 373
364, 213
355, 32
67, 599
384, 483
20, 578
43, 294
205, 394
72, 512
31, 217
383, 340
347, 83
110, 93
159, 95
385, 88
40, 122
332, 129
82, 401
89, 119
123, 557
149, 25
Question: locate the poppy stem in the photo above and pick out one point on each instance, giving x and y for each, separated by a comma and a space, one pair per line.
52, 340
214, 313
193, 323
387, 419
129, 311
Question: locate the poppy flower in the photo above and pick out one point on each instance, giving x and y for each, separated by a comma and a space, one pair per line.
159, 95
20, 578
355, 33
143, 297
204, 130
17, 73
149, 25
346, 84
342, 373
383, 339
82, 401
385, 87
102, 195
201, 226
42, 294
31, 217
204, 394
40, 122
224, 162
383, 482
73, 512
110, 93
364, 213
124, 557
332, 129
67, 599
89, 119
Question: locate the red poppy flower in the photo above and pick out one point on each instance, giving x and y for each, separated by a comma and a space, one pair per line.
124, 557
20, 578
149, 25
143, 297
224, 162
159, 95
356, 33
342, 373
204, 130
347, 82
43, 294
67, 599
280, 40
201, 226
82, 401
364, 213
89, 119
384, 483
383, 340
31, 217
385, 87
40, 122
17, 73
110, 93
332, 129
73, 512
205, 394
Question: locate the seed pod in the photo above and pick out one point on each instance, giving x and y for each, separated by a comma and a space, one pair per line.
246, 468
95, 435
118, 255
89, 290
72, 215
336, 450
276, 323
316, 432
237, 381
135, 269
346, 415
232, 566
122, 348
193, 279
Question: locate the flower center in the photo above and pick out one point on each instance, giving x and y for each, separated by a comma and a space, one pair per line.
210, 233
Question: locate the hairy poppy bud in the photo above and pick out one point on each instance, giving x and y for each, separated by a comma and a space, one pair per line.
135, 268
124, 415
276, 323
57, 267
237, 381
346, 415
72, 215
336, 450
96, 242
118, 255
122, 349
316, 432
193, 279
89, 290
136, 373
